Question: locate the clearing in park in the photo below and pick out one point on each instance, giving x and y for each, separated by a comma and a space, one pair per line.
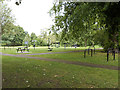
75, 45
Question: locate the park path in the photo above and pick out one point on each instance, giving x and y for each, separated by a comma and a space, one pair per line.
58, 52
68, 62
53, 52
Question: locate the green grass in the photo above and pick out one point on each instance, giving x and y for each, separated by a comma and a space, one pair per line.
22, 73
11, 50
37, 50
98, 58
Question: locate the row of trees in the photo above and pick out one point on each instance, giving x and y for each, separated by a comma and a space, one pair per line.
88, 23
41, 40
15, 35
80, 23
10, 33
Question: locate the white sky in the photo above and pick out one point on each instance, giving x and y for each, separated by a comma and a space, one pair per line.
32, 15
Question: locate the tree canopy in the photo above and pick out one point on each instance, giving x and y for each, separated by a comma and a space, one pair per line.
83, 21
6, 19
10, 33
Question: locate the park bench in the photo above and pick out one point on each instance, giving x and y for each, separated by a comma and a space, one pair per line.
50, 49
22, 49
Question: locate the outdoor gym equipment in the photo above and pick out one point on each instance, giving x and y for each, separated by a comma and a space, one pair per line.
113, 53
65, 45
90, 47
57, 44
88, 52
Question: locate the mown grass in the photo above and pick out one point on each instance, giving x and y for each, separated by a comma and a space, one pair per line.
37, 50
97, 58
11, 50
29, 73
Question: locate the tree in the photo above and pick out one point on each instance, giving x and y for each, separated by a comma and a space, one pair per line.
39, 40
82, 21
11, 34
6, 22
19, 35
15, 36
27, 39
44, 38
33, 37
6, 19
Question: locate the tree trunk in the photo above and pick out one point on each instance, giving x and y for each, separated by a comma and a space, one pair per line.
85, 42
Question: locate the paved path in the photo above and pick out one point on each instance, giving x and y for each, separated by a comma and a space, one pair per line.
68, 62
52, 52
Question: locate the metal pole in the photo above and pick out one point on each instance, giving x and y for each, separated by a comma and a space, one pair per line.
48, 43
94, 50
114, 55
107, 55
84, 53
88, 51
91, 52
34, 45
4, 47
64, 46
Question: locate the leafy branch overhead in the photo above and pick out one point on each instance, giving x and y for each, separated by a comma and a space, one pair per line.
83, 20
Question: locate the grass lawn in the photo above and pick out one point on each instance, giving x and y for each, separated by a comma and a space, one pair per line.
37, 50
18, 72
98, 58
22, 73
11, 50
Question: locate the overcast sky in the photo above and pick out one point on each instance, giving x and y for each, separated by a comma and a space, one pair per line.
32, 15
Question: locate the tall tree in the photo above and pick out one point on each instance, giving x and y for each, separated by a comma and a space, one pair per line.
27, 39
6, 19
83, 20
33, 38
14, 37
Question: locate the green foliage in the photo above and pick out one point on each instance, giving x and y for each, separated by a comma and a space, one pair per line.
10, 33
81, 22
33, 38
27, 39
6, 19
39, 41
14, 37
